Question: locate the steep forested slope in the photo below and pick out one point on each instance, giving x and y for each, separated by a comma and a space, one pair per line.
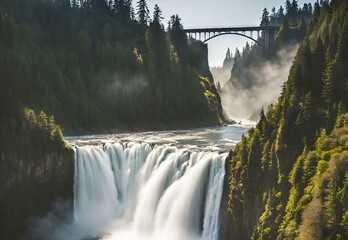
94, 67
292, 19
288, 177
257, 70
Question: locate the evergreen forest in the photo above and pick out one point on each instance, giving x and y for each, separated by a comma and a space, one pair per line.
293, 20
97, 66
287, 179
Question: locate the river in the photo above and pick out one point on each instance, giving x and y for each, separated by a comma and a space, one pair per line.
219, 138
150, 185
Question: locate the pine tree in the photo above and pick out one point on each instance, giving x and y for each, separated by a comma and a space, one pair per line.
288, 6
157, 41
274, 17
280, 14
228, 53
123, 8
228, 61
143, 12
176, 22
265, 18
294, 5
246, 50
237, 55
157, 14
178, 37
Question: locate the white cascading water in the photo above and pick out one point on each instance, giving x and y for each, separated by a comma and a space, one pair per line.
136, 191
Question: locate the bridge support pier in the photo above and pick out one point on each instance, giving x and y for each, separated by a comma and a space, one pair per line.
272, 38
266, 39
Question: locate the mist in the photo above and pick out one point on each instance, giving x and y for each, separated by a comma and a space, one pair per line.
221, 74
56, 224
241, 103
125, 88
59, 223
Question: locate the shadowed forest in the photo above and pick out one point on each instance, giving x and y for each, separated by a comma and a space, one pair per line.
100, 66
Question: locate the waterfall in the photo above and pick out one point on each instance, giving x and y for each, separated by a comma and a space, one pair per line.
96, 196
139, 191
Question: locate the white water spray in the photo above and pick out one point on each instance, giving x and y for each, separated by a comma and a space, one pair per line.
135, 191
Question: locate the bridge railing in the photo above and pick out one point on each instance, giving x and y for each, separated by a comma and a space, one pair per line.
208, 27
231, 28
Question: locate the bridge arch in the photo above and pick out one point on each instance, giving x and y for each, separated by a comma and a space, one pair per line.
235, 33
268, 32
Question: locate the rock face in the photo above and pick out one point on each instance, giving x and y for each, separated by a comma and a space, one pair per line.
204, 70
30, 184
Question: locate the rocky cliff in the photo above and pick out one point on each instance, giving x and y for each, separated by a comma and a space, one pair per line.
30, 185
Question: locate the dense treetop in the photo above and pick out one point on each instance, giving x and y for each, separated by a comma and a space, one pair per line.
99, 66
289, 175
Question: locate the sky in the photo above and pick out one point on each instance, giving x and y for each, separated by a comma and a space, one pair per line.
212, 13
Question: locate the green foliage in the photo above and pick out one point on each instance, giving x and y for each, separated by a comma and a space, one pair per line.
207, 87
329, 188
42, 130
309, 118
322, 166
95, 69
293, 13
265, 18
143, 12
157, 14
252, 57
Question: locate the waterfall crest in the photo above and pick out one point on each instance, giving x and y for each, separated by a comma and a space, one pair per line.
139, 191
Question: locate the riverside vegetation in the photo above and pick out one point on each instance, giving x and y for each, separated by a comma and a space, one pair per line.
288, 178
91, 66
98, 66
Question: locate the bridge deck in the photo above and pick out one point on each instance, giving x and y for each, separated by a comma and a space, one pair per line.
230, 29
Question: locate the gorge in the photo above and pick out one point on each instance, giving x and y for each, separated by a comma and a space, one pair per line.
94, 67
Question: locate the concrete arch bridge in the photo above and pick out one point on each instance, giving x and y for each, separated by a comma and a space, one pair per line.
263, 35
